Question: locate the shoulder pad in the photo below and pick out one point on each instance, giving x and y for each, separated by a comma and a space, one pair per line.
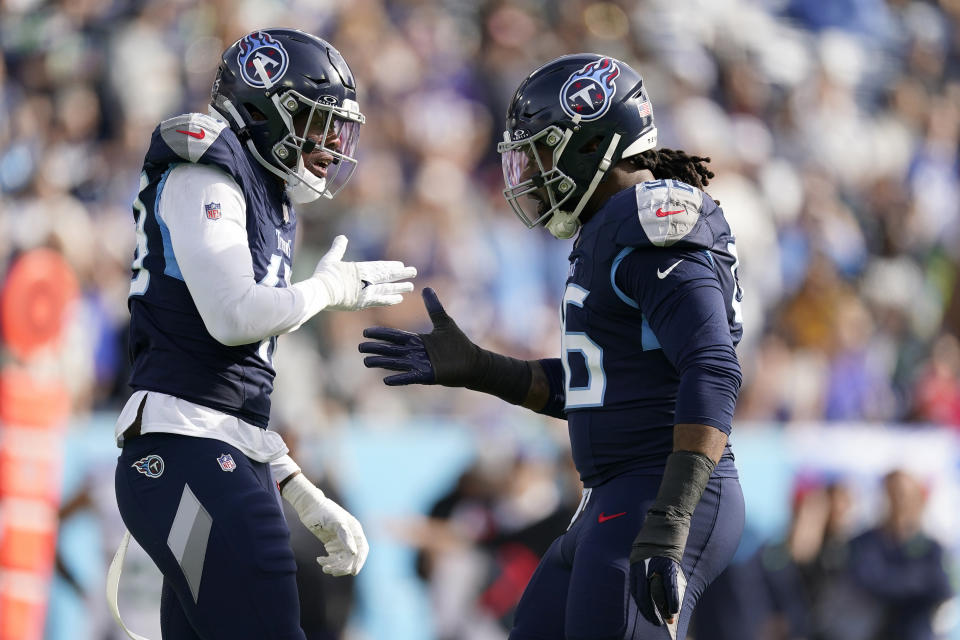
664, 213
190, 135
668, 210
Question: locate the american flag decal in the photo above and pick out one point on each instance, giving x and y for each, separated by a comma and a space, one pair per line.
644, 109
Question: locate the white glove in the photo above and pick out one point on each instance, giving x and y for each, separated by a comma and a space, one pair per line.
340, 533
357, 285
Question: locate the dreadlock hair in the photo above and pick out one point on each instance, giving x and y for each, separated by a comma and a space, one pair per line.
674, 164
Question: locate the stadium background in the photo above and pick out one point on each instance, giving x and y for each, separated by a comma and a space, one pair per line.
833, 126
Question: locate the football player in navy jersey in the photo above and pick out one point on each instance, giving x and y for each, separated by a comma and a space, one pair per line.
197, 478
648, 375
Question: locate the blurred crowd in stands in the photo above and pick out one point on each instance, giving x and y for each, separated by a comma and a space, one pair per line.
833, 128
828, 578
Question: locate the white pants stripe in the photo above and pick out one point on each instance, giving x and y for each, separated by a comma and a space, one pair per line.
188, 538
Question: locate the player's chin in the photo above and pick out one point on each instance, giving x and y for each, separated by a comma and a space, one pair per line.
540, 205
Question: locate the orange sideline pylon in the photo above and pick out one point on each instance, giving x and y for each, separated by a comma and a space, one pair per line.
35, 304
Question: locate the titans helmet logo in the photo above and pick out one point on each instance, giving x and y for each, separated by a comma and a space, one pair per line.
151, 466
262, 60
589, 92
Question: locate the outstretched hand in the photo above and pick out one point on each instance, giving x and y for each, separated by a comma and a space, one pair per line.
352, 286
444, 356
397, 350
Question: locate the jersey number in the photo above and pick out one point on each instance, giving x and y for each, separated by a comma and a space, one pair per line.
735, 301
141, 277
591, 394
278, 272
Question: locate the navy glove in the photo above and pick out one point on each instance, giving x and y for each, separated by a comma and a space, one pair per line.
656, 578
398, 351
658, 586
445, 356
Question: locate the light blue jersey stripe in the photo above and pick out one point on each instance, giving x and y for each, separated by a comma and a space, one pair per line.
171, 268
647, 339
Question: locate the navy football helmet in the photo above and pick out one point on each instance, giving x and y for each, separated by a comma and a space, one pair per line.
568, 123
287, 94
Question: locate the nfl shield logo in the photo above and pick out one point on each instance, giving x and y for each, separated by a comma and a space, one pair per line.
226, 462
213, 210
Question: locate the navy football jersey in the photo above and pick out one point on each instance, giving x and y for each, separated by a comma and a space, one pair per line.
650, 318
170, 348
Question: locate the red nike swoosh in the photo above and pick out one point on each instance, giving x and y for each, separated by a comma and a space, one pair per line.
603, 518
663, 214
203, 132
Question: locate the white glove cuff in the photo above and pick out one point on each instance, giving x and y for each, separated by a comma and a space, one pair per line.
302, 494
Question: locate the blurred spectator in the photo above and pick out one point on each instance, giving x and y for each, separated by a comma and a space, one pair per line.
797, 588
900, 567
784, 565
482, 541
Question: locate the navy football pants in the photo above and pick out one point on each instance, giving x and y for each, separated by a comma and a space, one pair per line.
219, 538
581, 591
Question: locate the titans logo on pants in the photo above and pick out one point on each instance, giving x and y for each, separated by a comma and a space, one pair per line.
589, 92
151, 466
257, 50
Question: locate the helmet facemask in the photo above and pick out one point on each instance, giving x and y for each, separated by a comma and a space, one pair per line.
535, 186
328, 130
549, 188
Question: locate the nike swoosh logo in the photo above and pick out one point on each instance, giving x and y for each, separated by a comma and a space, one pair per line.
203, 132
603, 518
663, 214
664, 274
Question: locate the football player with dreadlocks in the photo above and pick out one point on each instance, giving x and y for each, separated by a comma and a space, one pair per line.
648, 374
197, 479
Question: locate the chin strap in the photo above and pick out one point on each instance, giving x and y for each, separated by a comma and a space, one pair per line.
238, 119
565, 224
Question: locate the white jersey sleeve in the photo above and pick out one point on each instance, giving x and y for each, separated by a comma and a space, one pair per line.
215, 261
283, 467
